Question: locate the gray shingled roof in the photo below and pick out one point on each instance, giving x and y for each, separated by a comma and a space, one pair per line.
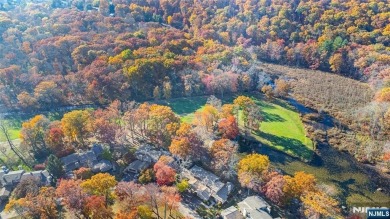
97, 149
231, 213
41, 175
255, 207
137, 166
223, 194
207, 185
5, 192
102, 166
87, 158
71, 158
207, 177
12, 177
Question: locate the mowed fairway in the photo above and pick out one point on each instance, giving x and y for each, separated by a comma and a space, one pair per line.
281, 128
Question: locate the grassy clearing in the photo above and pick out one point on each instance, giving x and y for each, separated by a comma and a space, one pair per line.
281, 129
15, 125
15, 122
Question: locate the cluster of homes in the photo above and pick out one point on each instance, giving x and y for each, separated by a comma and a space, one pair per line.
89, 159
10, 179
205, 185
92, 159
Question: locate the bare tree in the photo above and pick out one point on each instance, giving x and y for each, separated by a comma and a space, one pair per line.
4, 128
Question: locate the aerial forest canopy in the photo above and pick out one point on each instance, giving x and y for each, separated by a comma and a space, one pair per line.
57, 54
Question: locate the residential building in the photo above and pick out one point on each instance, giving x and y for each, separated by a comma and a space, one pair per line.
43, 176
254, 207
231, 213
89, 159
10, 179
137, 166
206, 185
150, 154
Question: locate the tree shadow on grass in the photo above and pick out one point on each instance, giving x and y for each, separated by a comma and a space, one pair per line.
264, 104
284, 104
271, 117
290, 145
186, 105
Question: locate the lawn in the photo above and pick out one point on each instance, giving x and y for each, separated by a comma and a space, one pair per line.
281, 129
14, 123
14, 126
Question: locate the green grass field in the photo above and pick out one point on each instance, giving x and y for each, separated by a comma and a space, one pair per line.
14, 126
281, 129
14, 123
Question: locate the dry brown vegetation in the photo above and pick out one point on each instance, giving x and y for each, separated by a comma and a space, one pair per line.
332, 93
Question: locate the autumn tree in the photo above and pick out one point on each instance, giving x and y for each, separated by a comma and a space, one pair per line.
33, 134
317, 203
268, 91
167, 90
281, 87
4, 129
273, 189
77, 125
228, 110
383, 95
180, 147
72, 195
47, 94
26, 187
228, 127
147, 176
43, 205
165, 175
224, 154
129, 196
96, 207
157, 93
55, 140
159, 117
186, 143
207, 117
243, 102
253, 117
100, 185
83, 173
169, 199
251, 170
250, 111
297, 185
182, 186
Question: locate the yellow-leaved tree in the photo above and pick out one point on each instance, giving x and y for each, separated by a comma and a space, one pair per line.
251, 170
100, 185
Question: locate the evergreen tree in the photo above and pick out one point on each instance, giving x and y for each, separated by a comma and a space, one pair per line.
55, 167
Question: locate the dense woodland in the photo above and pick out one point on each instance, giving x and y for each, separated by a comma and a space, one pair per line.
52, 56
181, 48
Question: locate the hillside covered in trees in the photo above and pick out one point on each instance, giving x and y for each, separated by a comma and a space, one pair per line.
168, 48
280, 82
